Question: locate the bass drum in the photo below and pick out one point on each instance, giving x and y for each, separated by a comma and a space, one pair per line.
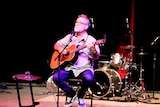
104, 82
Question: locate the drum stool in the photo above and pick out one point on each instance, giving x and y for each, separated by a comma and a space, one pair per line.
76, 85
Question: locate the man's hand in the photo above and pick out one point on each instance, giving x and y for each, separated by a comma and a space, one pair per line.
93, 49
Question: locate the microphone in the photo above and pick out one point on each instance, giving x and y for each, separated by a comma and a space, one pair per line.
154, 41
92, 22
72, 34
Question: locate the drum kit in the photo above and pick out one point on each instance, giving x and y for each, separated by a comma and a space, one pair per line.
114, 77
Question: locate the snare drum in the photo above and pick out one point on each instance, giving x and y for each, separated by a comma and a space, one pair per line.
103, 64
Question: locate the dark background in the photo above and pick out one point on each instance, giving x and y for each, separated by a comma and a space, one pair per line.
29, 30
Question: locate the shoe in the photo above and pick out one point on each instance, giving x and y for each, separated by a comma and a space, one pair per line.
70, 101
81, 102
67, 104
82, 105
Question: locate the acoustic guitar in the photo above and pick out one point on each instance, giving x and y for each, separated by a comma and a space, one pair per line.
58, 59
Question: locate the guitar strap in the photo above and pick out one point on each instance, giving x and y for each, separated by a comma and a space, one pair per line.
77, 53
86, 38
90, 58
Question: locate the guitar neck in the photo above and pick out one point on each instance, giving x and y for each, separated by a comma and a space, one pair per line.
102, 41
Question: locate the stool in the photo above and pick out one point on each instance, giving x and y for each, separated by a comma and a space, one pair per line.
76, 85
28, 78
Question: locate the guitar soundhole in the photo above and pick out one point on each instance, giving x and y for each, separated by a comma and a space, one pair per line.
65, 55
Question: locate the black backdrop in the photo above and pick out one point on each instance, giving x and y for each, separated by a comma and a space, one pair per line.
29, 30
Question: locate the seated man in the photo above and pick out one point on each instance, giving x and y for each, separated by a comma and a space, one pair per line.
77, 50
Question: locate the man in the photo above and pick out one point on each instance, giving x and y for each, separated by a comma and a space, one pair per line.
85, 50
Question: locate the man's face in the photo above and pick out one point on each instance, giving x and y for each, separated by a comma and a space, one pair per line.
81, 25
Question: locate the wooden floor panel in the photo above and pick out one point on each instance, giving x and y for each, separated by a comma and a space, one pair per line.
8, 98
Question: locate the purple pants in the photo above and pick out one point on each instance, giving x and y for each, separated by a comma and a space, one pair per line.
61, 76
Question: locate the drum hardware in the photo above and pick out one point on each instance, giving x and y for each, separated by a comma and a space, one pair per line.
113, 90
141, 79
112, 85
141, 89
133, 88
129, 85
130, 79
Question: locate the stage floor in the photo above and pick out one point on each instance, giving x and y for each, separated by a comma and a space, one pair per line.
9, 98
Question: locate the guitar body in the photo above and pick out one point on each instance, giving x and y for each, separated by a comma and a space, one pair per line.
63, 61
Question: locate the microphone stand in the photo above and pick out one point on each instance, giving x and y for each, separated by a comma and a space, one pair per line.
154, 70
154, 65
59, 55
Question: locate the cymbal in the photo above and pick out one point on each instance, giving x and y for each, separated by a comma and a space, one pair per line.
142, 53
128, 47
26, 77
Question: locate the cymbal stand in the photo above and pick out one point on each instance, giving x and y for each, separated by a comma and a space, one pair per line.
140, 89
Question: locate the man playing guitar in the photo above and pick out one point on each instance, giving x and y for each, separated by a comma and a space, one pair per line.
77, 51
